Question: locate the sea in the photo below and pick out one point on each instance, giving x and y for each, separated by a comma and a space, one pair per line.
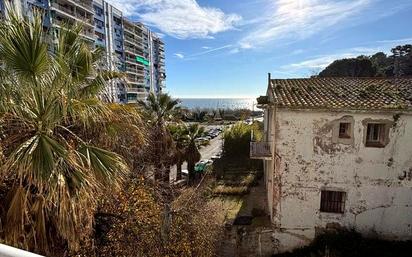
219, 103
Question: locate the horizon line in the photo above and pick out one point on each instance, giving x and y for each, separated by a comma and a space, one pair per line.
214, 97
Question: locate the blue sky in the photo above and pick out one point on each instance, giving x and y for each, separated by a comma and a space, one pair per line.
225, 48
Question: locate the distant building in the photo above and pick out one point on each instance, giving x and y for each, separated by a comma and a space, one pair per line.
130, 46
337, 153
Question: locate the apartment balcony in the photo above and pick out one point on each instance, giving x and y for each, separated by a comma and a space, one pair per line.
135, 79
130, 49
84, 4
260, 150
134, 71
133, 61
86, 33
129, 30
67, 12
137, 90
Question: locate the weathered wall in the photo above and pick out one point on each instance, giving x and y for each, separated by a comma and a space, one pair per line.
377, 181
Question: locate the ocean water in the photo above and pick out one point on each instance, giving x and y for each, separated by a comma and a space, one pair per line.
218, 103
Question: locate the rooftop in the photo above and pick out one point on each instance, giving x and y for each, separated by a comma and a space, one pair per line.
343, 93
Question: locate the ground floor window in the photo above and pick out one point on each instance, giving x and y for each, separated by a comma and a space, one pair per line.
332, 201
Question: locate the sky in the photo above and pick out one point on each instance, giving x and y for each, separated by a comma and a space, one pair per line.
226, 48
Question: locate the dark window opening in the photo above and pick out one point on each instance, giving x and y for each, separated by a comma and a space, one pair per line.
332, 201
375, 135
344, 130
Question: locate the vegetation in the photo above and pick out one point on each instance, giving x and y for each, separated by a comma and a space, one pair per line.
217, 115
72, 166
398, 64
237, 185
192, 153
186, 146
230, 190
349, 243
237, 139
158, 110
132, 222
52, 172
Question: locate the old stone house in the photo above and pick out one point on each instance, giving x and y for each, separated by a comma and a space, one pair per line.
337, 153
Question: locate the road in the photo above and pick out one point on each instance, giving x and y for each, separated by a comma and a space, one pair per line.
208, 151
214, 147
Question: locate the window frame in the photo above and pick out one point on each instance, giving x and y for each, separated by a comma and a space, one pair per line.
347, 134
381, 136
332, 201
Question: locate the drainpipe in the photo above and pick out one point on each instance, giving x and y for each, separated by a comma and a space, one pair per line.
8, 251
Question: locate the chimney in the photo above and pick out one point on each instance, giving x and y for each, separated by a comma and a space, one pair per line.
269, 77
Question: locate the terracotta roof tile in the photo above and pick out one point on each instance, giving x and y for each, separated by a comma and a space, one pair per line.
343, 93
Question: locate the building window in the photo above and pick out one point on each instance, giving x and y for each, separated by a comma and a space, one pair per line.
332, 201
375, 135
344, 130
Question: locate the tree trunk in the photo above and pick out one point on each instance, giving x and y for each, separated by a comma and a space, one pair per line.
179, 170
191, 169
166, 173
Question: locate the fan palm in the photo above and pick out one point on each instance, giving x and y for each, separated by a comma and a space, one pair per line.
192, 153
179, 136
159, 110
48, 100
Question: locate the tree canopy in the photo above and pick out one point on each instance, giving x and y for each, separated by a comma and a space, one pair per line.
398, 64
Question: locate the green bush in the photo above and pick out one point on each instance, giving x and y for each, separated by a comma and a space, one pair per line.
237, 139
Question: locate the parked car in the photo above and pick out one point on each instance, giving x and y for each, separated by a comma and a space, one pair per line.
201, 165
216, 156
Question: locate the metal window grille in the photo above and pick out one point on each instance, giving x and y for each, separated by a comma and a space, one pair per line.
332, 201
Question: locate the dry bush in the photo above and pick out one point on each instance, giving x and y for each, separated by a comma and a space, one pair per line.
135, 222
230, 190
195, 228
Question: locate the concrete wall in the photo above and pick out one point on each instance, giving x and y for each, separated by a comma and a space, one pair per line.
377, 181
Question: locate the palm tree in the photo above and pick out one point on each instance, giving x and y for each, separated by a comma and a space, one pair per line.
180, 140
48, 101
192, 153
159, 110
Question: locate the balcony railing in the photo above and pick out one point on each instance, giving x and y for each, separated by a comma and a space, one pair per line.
260, 150
130, 49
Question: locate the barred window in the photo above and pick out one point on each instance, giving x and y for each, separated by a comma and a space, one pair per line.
332, 201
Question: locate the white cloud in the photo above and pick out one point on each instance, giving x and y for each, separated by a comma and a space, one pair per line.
298, 19
182, 19
179, 55
397, 41
206, 47
160, 35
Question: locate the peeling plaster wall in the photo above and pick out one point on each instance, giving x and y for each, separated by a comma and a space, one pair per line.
377, 181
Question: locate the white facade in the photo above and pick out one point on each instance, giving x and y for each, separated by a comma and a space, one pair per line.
308, 157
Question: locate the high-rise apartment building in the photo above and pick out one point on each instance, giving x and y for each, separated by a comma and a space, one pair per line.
130, 47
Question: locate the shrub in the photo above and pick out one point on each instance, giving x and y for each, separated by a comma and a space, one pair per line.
237, 139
